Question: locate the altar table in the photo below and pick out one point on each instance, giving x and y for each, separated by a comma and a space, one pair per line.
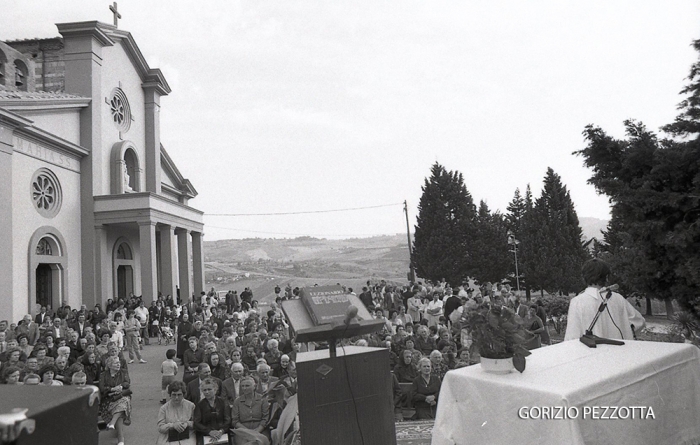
562, 395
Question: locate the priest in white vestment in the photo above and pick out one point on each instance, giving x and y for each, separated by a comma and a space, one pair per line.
615, 322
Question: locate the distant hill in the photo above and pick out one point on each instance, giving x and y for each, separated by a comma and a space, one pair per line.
261, 263
593, 227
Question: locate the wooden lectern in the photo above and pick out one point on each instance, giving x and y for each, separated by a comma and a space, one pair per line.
345, 394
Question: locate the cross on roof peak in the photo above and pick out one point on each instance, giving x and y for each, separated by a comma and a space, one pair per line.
117, 16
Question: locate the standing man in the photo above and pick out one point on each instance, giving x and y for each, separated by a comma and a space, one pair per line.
29, 328
617, 322
80, 325
142, 314
366, 298
39, 319
192, 306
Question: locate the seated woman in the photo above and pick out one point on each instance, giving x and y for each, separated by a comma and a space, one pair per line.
10, 375
176, 417
218, 367
62, 370
191, 359
24, 345
212, 415
46, 373
91, 368
425, 391
250, 415
404, 370
115, 403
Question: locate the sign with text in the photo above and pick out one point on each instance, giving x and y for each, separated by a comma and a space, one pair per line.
326, 304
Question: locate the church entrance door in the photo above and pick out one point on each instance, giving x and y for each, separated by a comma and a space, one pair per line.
125, 280
44, 285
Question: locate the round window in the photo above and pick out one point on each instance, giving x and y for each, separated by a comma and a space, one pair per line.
121, 112
46, 193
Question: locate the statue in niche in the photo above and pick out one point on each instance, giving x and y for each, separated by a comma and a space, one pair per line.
127, 187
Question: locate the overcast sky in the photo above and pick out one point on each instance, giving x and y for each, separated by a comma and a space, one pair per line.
289, 106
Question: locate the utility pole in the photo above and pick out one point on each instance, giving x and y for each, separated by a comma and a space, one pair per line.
411, 273
514, 242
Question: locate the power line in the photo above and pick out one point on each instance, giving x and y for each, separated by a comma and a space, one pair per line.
305, 212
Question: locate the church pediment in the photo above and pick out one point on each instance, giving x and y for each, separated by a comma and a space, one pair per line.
109, 35
172, 181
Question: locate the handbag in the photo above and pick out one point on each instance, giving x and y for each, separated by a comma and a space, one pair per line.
124, 393
175, 436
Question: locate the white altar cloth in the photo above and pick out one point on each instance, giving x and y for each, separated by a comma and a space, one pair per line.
476, 407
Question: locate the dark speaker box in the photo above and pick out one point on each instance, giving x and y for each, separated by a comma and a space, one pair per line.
346, 399
62, 414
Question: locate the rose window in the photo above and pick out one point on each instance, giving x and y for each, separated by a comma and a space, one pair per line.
46, 192
120, 110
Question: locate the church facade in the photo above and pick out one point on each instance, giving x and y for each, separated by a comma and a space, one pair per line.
91, 205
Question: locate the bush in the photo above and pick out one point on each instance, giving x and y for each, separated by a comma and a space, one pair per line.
555, 305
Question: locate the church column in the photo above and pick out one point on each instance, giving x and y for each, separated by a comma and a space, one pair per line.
103, 270
7, 305
198, 261
184, 250
167, 265
149, 277
152, 117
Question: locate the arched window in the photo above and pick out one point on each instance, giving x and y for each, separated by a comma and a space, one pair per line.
126, 168
123, 268
44, 247
48, 259
124, 252
21, 73
132, 166
3, 64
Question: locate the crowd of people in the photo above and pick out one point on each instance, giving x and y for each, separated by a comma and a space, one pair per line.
230, 374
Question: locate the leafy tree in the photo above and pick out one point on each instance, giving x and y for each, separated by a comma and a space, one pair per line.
490, 260
444, 228
653, 238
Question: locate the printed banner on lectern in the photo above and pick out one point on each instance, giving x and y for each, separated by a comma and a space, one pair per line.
326, 304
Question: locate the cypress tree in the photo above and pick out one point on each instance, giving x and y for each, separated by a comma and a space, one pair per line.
444, 228
490, 260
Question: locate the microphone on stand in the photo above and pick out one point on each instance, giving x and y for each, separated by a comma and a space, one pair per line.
588, 338
609, 289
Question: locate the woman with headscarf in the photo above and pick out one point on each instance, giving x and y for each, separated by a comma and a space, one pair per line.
90, 367
183, 333
404, 370
218, 366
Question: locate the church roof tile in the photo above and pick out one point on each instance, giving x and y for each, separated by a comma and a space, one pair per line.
6, 93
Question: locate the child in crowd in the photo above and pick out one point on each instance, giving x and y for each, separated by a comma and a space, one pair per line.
169, 370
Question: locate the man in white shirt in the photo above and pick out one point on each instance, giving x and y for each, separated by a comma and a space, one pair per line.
615, 322
433, 310
141, 314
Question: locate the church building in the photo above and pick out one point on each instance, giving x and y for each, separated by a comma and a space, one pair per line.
91, 205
